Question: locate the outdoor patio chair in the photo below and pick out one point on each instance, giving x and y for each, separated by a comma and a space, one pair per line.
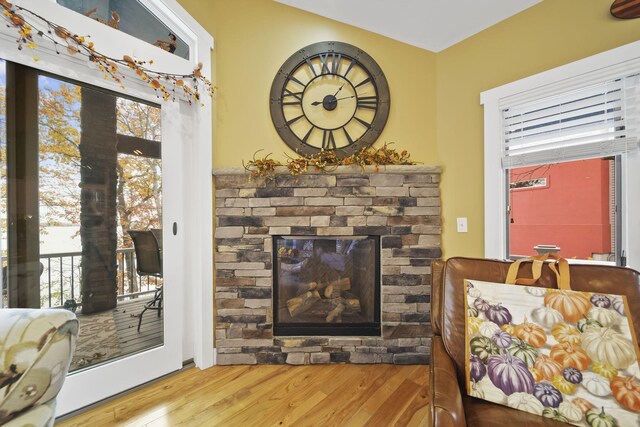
157, 233
148, 263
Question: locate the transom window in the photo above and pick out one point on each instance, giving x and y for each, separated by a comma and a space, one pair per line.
134, 18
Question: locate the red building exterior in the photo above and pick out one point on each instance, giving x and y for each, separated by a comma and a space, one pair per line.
570, 210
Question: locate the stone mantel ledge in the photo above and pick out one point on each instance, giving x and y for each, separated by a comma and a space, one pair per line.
341, 170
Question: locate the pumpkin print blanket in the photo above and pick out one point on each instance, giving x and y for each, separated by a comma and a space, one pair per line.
567, 355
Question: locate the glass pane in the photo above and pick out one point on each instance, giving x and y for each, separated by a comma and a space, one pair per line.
59, 195
139, 120
139, 194
326, 286
566, 208
91, 240
133, 18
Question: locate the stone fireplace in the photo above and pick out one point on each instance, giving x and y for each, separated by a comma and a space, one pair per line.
326, 267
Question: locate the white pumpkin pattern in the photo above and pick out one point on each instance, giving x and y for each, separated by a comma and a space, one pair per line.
486, 390
474, 292
546, 316
525, 402
536, 291
596, 384
635, 371
607, 345
606, 317
570, 411
488, 329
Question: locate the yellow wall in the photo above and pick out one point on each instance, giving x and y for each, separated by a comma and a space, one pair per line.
550, 34
254, 37
436, 112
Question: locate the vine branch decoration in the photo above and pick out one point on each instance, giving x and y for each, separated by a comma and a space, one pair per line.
327, 160
30, 25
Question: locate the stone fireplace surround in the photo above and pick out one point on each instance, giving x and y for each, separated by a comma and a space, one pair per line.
401, 204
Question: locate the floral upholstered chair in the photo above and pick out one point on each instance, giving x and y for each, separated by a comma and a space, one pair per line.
35, 351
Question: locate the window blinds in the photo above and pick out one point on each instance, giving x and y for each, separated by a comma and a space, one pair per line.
598, 120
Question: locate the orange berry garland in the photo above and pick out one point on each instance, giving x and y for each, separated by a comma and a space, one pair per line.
165, 84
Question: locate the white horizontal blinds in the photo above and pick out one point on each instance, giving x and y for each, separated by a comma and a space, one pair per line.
631, 105
594, 121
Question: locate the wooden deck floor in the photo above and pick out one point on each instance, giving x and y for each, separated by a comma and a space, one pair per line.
273, 395
112, 334
126, 317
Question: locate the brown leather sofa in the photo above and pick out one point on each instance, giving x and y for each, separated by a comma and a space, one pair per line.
450, 404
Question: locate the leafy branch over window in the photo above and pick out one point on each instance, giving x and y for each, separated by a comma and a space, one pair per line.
32, 26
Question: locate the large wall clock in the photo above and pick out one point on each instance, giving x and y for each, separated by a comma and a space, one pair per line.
332, 96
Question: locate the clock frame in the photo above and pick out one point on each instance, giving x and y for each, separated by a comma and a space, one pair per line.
329, 95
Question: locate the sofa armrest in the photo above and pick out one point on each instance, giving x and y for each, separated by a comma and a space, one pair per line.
36, 346
446, 400
437, 269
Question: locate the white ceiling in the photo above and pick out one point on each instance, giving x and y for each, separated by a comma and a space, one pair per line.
429, 24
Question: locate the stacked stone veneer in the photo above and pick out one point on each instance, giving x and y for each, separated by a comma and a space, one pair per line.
399, 203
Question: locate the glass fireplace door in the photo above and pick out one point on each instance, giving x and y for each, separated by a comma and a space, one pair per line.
327, 285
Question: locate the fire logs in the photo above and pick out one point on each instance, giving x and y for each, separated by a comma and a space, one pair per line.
329, 300
302, 303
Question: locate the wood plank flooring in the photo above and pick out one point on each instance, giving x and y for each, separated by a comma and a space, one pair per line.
273, 395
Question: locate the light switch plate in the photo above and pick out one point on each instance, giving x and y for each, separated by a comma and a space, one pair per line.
462, 225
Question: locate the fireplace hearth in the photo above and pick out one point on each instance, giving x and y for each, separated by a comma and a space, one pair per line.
326, 286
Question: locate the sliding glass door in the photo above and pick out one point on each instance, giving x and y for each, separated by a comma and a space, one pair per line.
83, 208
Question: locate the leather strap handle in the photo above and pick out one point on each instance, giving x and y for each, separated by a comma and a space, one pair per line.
560, 268
536, 268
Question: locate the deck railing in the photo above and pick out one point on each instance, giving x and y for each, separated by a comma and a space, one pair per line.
60, 280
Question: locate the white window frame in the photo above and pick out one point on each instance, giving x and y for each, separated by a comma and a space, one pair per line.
495, 183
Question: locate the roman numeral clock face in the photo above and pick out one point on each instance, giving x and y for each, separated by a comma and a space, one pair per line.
332, 96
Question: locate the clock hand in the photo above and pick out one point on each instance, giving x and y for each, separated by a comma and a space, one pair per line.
334, 95
346, 97
337, 99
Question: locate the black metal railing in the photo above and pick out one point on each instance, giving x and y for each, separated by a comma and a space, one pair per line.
61, 273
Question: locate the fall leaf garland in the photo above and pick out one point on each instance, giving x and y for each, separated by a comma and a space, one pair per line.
164, 84
327, 160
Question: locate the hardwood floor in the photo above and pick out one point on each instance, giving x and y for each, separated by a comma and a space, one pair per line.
273, 395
